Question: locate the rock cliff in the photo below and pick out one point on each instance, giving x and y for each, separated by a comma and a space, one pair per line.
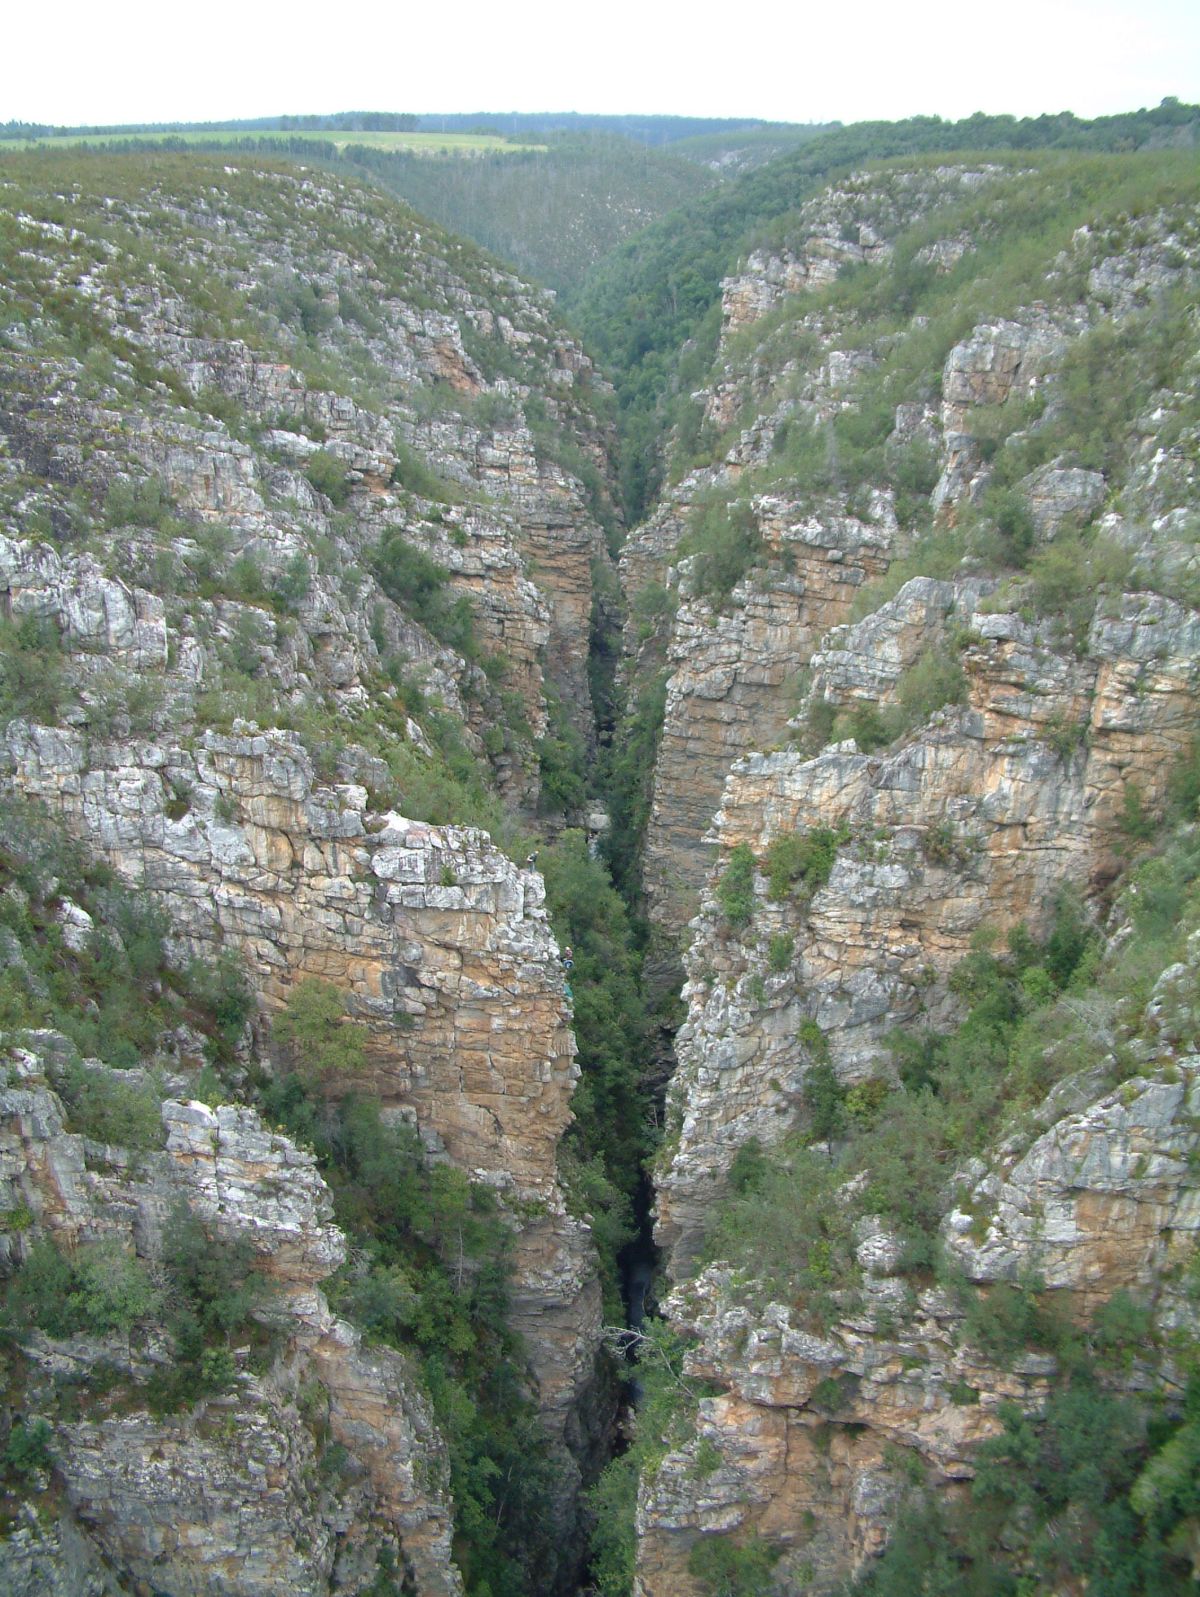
230, 1496
301, 502
954, 744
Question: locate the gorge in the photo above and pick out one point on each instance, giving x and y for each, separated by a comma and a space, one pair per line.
483, 783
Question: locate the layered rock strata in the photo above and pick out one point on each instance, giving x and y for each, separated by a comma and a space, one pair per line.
976, 821
229, 1496
814, 1435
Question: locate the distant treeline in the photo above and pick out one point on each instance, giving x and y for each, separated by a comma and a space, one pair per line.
310, 149
339, 122
643, 129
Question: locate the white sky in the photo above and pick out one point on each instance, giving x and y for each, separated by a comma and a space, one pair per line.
106, 61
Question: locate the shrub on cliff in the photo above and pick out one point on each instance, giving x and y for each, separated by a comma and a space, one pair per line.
100, 1288
725, 541
728, 1568
327, 474
787, 1224
735, 890
416, 582
320, 1041
801, 861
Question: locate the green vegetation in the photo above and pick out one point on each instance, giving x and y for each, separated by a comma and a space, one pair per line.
313, 143
725, 542
610, 1138
324, 471
627, 778
321, 1044
418, 583
429, 1274
728, 1568
215, 1294
735, 889
787, 1222
801, 862
664, 1419
100, 1288
780, 951
27, 1451
210, 1293
1093, 1492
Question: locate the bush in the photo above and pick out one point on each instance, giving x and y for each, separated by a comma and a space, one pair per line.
726, 543
416, 582
33, 670
99, 1289
790, 1228
327, 475
109, 1109
735, 890
314, 1030
139, 503
801, 860
1006, 1320
825, 1100
780, 952
934, 680
27, 1451
413, 473
726, 1568
1009, 511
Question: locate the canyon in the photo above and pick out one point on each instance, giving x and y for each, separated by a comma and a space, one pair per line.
331, 670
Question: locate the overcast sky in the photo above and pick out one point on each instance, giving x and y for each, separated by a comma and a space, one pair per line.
154, 60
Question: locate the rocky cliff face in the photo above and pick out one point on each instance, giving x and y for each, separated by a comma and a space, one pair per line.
300, 509
734, 678
808, 378
439, 943
976, 822
1100, 1202
336, 344
230, 1496
959, 747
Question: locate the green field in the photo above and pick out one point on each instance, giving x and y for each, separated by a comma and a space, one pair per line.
414, 143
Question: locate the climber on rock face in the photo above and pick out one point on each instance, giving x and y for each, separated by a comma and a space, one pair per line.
567, 958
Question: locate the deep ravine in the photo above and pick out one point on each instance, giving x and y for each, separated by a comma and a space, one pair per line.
867, 1095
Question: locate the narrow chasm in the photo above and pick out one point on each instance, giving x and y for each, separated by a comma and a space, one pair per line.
552, 1053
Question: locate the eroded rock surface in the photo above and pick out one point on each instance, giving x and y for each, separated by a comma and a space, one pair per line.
228, 1496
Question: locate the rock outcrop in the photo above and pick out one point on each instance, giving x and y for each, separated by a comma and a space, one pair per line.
230, 1495
735, 677
814, 1435
977, 821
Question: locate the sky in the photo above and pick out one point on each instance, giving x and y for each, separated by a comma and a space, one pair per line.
155, 61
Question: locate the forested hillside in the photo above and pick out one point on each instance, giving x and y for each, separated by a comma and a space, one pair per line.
644, 308
555, 212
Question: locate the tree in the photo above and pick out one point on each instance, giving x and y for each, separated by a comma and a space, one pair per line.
313, 1027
